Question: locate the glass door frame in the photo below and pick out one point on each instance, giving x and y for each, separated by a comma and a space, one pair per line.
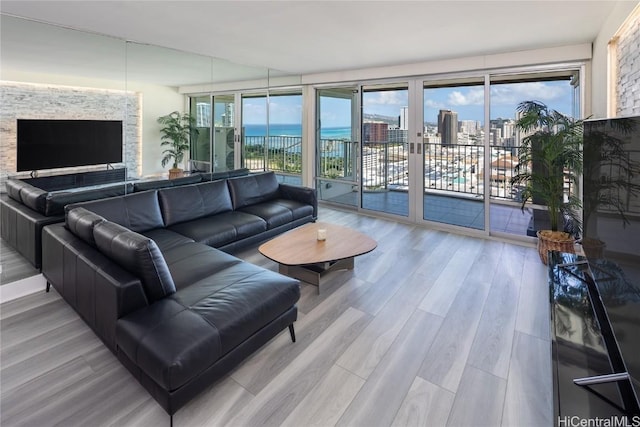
324, 183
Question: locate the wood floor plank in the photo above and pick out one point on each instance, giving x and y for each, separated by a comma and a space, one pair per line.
382, 395
264, 365
275, 402
89, 393
491, 350
533, 306
215, 406
369, 348
385, 286
528, 400
36, 321
38, 364
426, 404
442, 294
446, 359
27, 302
479, 401
326, 403
19, 401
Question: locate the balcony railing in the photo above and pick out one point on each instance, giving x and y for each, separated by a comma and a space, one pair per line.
455, 168
279, 153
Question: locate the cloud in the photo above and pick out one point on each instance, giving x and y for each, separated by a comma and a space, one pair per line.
473, 96
510, 94
387, 97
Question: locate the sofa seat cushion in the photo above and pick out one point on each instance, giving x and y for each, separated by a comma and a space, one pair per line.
279, 211
169, 342
192, 262
298, 209
218, 230
176, 339
240, 300
166, 239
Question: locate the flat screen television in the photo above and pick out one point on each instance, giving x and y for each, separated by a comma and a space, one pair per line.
50, 144
611, 242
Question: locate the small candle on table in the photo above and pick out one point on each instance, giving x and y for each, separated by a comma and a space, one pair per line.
322, 234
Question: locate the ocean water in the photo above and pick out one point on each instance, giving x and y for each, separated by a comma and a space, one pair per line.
295, 130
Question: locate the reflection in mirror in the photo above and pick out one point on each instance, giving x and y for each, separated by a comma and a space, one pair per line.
156, 74
52, 73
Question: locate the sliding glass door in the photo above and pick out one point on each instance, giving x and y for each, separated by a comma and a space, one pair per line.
453, 185
439, 151
337, 137
385, 149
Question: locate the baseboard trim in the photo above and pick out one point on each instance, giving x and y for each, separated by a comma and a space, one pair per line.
22, 287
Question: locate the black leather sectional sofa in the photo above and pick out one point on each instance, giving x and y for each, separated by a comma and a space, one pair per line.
144, 273
33, 203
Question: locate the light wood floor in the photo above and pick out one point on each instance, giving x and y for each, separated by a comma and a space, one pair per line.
430, 329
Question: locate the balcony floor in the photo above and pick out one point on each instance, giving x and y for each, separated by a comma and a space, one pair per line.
461, 211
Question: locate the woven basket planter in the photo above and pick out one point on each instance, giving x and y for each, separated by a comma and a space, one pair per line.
554, 241
175, 173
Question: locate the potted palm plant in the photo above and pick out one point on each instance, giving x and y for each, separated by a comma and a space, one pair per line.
177, 130
550, 156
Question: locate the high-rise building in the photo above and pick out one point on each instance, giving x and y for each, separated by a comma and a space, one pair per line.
375, 132
470, 127
227, 116
448, 126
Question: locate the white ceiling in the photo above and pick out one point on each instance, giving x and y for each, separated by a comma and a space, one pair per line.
302, 37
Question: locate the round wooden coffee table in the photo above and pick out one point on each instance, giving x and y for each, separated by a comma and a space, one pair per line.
300, 254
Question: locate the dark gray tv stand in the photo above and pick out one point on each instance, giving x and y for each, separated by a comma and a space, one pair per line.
80, 179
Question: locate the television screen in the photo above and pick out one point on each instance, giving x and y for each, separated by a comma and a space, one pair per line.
49, 144
611, 234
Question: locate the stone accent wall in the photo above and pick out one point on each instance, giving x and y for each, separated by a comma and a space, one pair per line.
43, 101
628, 75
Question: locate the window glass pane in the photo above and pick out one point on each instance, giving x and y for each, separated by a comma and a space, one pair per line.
272, 134
454, 153
201, 148
557, 90
254, 132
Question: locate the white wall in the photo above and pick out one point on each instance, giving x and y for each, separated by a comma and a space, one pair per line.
156, 101
600, 57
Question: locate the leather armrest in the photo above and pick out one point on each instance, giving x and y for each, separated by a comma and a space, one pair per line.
301, 194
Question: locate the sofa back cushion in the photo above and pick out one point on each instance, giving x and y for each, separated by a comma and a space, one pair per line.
36, 199
189, 202
165, 183
253, 189
56, 201
81, 222
138, 212
137, 254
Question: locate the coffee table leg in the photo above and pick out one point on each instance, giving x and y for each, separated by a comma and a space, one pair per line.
312, 273
301, 273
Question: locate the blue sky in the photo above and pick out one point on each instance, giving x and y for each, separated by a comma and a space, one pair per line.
468, 101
